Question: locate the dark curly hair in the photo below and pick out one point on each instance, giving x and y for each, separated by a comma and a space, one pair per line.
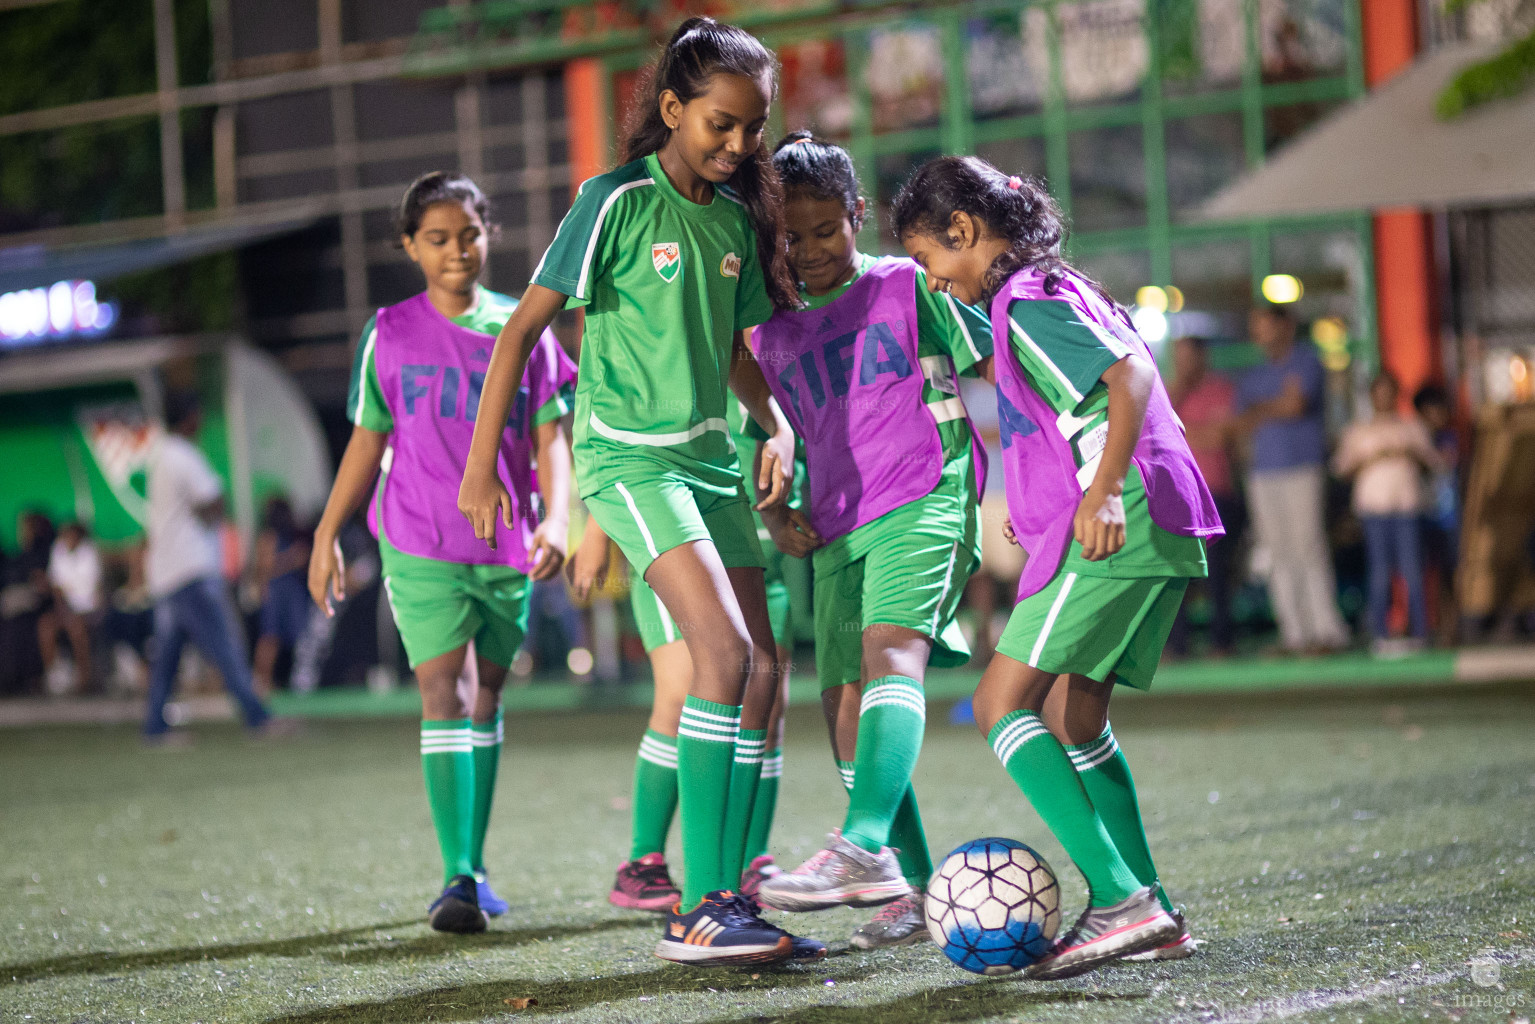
440, 187
818, 168
1017, 209
700, 49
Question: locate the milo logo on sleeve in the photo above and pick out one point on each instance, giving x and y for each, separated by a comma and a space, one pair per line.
667, 257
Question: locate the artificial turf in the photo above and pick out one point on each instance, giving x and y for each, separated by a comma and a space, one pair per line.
1346, 856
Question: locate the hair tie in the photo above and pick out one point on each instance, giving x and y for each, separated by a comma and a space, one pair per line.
1015, 183
801, 142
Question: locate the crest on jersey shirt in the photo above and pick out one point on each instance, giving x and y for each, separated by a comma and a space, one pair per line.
667, 256
730, 266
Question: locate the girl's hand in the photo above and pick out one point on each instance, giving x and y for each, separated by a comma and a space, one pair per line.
791, 531
775, 471
588, 567
546, 553
1099, 525
483, 498
1007, 531
327, 575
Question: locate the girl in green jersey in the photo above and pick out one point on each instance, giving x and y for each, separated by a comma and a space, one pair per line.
675, 255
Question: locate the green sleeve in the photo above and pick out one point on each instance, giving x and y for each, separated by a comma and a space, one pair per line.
1066, 350
961, 332
365, 405
556, 407
582, 248
753, 306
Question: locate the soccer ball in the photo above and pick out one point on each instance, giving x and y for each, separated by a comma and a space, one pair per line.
993, 906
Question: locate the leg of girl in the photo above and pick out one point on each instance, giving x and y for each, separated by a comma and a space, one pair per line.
696, 588
1123, 915
643, 881
759, 865
480, 687
1077, 713
447, 762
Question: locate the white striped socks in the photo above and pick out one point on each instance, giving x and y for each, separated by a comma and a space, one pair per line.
439, 739
488, 735
845, 769
894, 691
1013, 731
751, 745
660, 750
772, 765
1086, 756
710, 726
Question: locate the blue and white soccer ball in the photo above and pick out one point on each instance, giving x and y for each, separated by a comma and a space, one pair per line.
994, 906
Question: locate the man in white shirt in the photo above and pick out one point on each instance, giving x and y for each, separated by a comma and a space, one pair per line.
182, 567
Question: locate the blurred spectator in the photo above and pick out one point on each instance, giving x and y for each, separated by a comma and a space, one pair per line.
1441, 515
995, 583
74, 572
184, 569
281, 578
1206, 403
128, 623
1386, 455
25, 597
1281, 405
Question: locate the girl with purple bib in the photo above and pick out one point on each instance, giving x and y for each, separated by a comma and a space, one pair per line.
866, 374
415, 391
1105, 498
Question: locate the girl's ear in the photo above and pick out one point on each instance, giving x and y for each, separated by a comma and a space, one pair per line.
408, 243
671, 108
964, 230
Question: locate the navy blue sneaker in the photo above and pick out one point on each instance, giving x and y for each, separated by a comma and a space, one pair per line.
458, 908
725, 930
493, 905
806, 950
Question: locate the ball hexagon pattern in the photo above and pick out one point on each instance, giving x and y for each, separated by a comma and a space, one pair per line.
993, 906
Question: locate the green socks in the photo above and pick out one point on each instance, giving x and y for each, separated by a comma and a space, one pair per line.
1038, 764
764, 806
655, 793
485, 738
706, 746
891, 718
447, 762
1106, 777
745, 773
906, 833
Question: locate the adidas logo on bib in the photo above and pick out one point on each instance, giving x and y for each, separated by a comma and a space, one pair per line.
667, 257
730, 266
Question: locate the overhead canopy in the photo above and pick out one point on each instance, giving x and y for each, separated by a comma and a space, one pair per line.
1388, 149
37, 266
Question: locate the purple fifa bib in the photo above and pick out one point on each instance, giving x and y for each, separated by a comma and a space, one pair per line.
849, 379
1040, 472
431, 371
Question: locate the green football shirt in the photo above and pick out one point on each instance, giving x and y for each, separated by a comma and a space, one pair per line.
666, 283
1064, 357
365, 405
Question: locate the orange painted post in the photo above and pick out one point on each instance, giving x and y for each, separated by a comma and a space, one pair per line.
586, 119
1404, 265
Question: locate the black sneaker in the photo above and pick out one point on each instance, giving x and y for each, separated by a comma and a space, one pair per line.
724, 930
806, 949
458, 908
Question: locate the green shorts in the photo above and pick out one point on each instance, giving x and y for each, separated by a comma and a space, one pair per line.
657, 628
1096, 626
653, 514
916, 580
440, 606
